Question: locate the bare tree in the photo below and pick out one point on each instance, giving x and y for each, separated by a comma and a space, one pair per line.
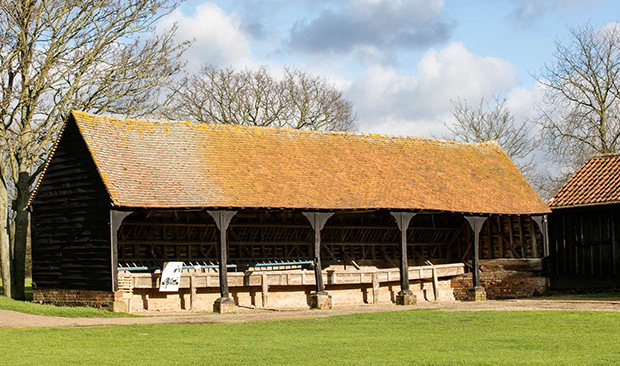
93, 55
493, 122
254, 97
580, 114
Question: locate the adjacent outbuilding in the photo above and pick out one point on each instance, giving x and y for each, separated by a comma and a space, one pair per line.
276, 218
584, 250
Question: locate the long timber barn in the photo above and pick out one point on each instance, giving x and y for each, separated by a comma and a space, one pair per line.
276, 218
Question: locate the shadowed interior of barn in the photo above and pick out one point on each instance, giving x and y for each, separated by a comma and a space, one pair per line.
359, 238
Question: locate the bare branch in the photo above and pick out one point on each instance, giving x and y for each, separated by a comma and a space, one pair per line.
253, 97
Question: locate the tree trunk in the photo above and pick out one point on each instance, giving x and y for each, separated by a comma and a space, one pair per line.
5, 244
21, 235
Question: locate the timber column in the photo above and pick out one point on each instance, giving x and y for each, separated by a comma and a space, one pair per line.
222, 219
122, 300
405, 296
320, 299
541, 221
116, 219
477, 292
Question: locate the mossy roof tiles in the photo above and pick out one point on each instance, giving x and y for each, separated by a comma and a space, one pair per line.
165, 164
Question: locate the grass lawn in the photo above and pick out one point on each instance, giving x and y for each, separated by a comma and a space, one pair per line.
427, 337
50, 310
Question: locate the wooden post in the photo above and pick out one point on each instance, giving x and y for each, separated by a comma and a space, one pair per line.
264, 289
405, 296
512, 240
435, 284
192, 293
500, 233
520, 221
541, 222
534, 241
116, 219
491, 244
321, 299
600, 245
613, 242
222, 219
477, 292
375, 288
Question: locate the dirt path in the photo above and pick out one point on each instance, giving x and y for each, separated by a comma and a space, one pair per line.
15, 319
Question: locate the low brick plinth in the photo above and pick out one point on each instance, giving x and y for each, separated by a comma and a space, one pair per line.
224, 305
406, 298
74, 297
477, 293
321, 300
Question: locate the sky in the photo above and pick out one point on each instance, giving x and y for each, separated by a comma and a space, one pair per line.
400, 62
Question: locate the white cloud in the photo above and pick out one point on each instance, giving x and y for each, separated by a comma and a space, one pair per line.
522, 101
400, 103
219, 38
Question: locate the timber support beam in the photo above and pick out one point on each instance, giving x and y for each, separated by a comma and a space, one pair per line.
116, 219
320, 299
541, 222
405, 296
477, 292
225, 304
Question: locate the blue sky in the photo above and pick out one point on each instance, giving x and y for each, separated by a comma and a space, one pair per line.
400, 62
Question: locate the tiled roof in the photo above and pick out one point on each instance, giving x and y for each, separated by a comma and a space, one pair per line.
164, 164
596, 182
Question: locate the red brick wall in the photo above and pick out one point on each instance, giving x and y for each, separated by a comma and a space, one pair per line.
69, 297
502, 284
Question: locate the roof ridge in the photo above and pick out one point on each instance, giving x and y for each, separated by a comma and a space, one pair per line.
491, 143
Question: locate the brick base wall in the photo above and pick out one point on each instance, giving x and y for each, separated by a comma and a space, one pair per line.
502, 285
72, 297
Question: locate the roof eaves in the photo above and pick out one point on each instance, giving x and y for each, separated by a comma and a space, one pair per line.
591, 204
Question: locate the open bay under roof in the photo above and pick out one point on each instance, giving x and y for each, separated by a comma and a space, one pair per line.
166, 164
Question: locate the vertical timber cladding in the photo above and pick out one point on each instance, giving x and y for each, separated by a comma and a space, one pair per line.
70, 221
583, 247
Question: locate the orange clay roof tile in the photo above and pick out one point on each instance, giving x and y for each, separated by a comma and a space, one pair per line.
595, 182
165, 164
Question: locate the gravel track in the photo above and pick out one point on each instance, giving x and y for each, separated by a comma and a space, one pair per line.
15, 319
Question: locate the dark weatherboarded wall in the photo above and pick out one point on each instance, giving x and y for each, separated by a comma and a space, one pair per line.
70, 221
583, 246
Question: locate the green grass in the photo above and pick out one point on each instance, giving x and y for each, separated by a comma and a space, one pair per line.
50, 310
27, 288
426, 337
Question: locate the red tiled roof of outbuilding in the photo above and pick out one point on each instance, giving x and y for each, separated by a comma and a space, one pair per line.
595, 182
165, 164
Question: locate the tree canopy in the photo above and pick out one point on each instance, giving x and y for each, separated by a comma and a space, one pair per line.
254, 97
55, 56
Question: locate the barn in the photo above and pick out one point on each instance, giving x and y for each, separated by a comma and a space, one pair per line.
584, 250
277, 218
